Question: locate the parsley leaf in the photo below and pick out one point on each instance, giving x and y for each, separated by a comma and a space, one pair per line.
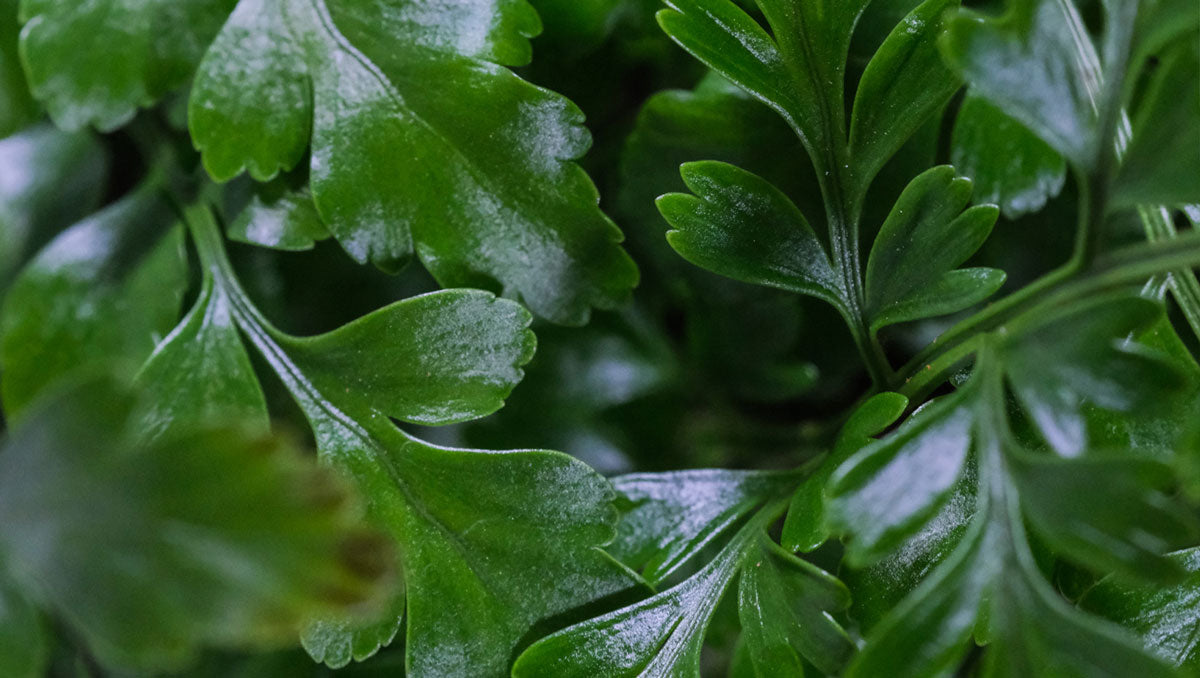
420, 139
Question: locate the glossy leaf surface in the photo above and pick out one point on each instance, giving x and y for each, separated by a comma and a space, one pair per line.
911, 270
136, 51
106, 289
1009, 165
740, 226
400, 161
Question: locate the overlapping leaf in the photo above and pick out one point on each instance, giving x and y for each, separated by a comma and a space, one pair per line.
420, 139
912, 270
106, 289
96, 63
92, 512
1010, 166
784, 605
438, 358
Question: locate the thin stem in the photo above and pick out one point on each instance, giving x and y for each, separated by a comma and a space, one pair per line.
1130, 265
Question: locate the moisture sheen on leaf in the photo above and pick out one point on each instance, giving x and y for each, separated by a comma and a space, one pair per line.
420, 139
1167, 618
491, 544
90, 514
279, 217
742, 227
784, 604
904, 83
108, 288
798, 69
911, 269
1026, 64
97, 62
1010, 166
670, 517
662, 636
893, 485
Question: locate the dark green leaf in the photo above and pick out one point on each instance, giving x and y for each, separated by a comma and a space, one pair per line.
24, 645
661, 637
41, 165
91, 515
1159, 168
475, 528
881, 586
17, 108
1166, 617
1026, 64
892, 486
784, 604
419, 140
1009, 165
742, 227
910, 272
798, 69
102, 290
96, 63
805, 527
673, 516
439, 358
904, 84
1088, 353
1106, 513
200, 372
280, 218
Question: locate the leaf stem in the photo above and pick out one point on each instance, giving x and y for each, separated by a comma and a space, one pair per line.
1126, 266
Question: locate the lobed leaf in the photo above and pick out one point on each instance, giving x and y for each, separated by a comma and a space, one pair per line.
420, 141
910, 272
742, 227
98, 62
1009, 165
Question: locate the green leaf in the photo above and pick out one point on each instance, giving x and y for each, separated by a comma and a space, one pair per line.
1009, 165
715, 121
910, 273
892, 486
106, 289
903, 85
200, 372
475, 528
280, 218
882, 585
806, 527
17, 107
1025, 63
1086, 354
671, 517
46, 165
24, 646
96, 63
438, 358
1156, 169
740, 226
420, 140
798, 69
1096, 511
1165, 617
50, 164
90, 515
784, 604
661, 637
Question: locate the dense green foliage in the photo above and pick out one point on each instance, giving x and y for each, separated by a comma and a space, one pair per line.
874, 355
